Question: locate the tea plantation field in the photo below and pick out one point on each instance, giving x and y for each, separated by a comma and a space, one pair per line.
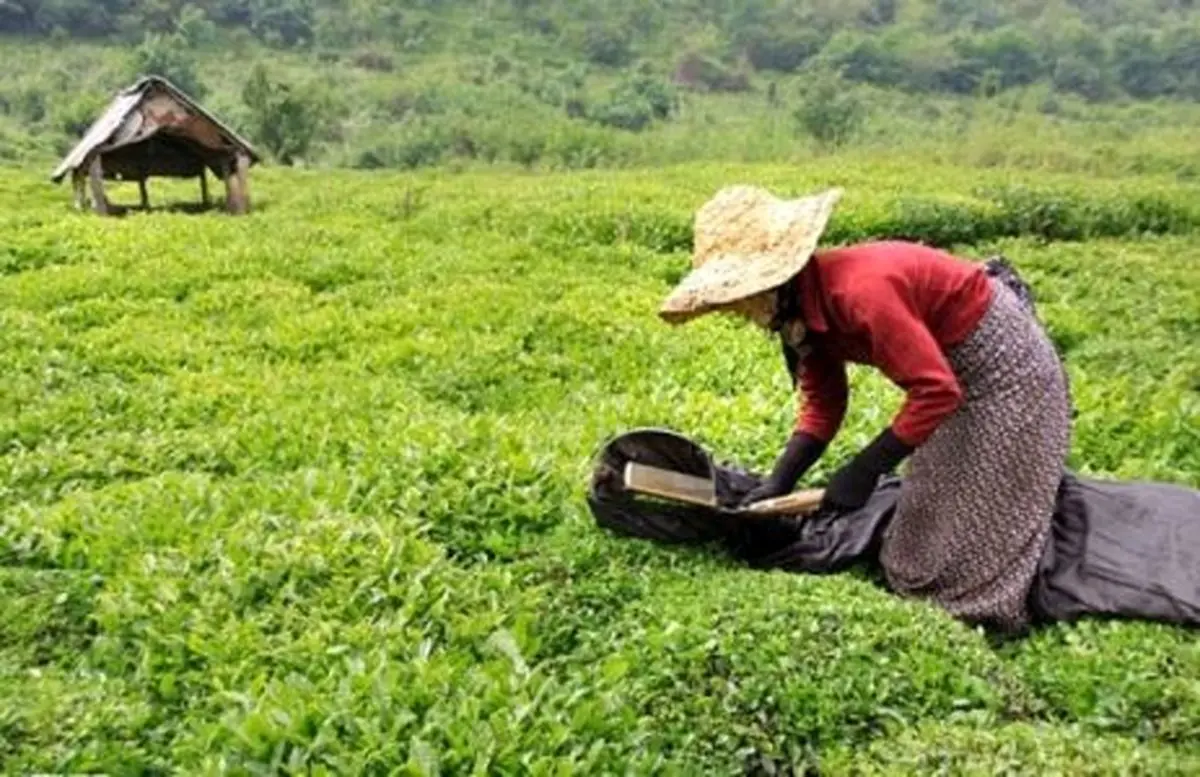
303, 492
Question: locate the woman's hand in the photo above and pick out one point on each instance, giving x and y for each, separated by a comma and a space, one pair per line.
768, 490
801, 452
851, 487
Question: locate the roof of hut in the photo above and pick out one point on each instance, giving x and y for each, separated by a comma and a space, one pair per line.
153, 129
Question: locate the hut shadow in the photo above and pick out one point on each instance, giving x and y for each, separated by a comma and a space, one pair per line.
116, 210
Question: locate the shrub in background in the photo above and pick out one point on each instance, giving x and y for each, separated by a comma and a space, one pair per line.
282, 22
168, 56
195, 28
608, 46
375, 60
699, 72
636, 103
782, 50
284, 119
830, 111
74, 117
414, 144
864, 58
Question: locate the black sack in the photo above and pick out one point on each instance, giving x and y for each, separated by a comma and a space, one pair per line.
1122, 550
819, 544
1117, 549
633, 515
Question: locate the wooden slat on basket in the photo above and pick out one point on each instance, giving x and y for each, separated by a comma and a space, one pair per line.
669, 484
689, 489
796, 503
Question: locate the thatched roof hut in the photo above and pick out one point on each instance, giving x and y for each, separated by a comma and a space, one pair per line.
153, 129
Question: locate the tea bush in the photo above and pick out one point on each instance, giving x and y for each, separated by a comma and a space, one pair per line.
985, 215
1018, 748
302, 491
769, 668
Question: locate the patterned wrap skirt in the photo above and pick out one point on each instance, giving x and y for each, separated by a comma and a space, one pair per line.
978, 497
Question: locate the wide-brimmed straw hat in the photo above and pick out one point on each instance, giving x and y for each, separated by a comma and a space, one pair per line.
746, 240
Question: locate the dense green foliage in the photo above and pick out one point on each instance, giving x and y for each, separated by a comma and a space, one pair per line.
1075, 84
302, 492
1092, 47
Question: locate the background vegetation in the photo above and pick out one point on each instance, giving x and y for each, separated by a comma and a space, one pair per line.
1070, 84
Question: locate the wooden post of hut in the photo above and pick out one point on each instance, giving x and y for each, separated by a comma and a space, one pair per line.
241, 169
154, 129
231, 196
205, 200
96, 179
237, 195
79, 185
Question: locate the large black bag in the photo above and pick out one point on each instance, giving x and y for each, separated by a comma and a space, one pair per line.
1124, 550
1117, 549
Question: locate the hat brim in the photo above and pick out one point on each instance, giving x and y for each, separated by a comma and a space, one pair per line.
728, 278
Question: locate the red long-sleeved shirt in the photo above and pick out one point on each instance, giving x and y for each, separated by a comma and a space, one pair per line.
895, 306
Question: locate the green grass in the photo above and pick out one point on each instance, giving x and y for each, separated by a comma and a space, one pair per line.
302, 492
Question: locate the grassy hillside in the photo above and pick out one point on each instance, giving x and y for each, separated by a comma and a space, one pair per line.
1084, 85
302, 492
1099, 49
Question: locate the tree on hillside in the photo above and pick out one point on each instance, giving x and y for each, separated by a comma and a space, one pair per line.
698, 72
83, 18
282, 118
1140, 64
1007, 51
636, 103
830, 112
287, 22
1182, 49
193, 25
780, 49
880, 13
864, 58
168, 56
609, 46
969, 15
15, 17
